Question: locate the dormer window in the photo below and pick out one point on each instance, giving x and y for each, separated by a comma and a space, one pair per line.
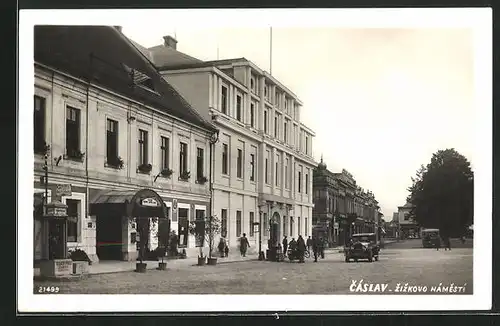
141, 79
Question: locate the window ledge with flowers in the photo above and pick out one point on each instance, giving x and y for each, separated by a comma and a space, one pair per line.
144, 168
114, 163
185, 176
74, 155
166, 173
201, 180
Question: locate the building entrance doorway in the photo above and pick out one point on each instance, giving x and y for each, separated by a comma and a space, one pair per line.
274, 231
109, 237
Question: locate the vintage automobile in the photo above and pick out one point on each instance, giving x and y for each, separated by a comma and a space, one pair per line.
362, 246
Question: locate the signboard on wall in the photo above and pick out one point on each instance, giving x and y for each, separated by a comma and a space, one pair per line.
174, 205
63, 190
151, 202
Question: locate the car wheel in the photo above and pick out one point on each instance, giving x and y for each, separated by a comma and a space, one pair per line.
347, 259
370, 257
376, 258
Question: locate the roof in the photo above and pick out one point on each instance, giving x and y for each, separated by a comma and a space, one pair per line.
165, 56
105, 56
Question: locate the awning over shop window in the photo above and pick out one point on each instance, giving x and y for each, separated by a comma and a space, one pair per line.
141, 203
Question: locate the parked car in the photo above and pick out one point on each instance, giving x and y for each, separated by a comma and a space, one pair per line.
362, 246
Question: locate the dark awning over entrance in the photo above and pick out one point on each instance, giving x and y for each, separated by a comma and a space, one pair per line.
142, 203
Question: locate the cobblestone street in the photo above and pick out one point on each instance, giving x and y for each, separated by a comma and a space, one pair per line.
415, 266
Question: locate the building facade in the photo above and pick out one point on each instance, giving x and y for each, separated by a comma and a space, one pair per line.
406, 225
263, 161
341, 207
115, 127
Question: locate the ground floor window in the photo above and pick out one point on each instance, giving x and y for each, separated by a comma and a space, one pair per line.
291, 226
200, 214
224, 223
238, 223
73, 218
251, 221
183, 214
298, 225
306, 230
266, 224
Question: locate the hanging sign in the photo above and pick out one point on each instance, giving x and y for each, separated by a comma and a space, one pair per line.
63, 190
174, 205
149, 202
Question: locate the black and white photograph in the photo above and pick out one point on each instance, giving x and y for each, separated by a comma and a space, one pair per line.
255, 160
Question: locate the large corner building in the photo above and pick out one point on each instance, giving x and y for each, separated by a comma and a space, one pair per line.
263, 162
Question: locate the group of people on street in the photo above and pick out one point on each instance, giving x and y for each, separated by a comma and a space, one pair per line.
299, 247
224, 249
446, 242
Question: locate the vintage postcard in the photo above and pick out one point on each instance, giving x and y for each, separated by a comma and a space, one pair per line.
334, 155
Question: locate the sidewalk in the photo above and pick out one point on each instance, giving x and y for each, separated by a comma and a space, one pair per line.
111, 266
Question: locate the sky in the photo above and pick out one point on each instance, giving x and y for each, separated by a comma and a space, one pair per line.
380, 100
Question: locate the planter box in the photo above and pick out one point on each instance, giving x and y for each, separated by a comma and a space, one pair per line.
162, 266
201, 261
56, 268
80, 267
140, 267
212, 261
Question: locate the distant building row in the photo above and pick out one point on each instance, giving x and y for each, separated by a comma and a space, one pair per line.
341, 207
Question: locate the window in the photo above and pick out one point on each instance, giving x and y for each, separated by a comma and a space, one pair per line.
252, 167
284, 227
223, 223
252, 115
277, 175
276, 129
239, 164
266, 88
224, 100
143, 147
72, 132
406, 216
286, 173
199, 163
307, 183
73, 212
252, 84
277, 98
238, 223
251, 221
225, 158
265, 122
200, 214
307, 145
285, 132
299, 230
266, 227
238, 107
266, 172
291, 225
39, 125
112, 142
165, 151
183, 165
299, 183
306, 227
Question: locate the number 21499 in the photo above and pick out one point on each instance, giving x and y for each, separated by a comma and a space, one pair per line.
48, 289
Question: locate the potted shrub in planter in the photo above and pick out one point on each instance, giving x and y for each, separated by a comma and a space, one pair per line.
81, 261
210, 228
197, 228
115, 162
143, 226
161, 250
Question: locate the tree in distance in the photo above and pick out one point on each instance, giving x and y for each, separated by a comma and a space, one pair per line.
442, 194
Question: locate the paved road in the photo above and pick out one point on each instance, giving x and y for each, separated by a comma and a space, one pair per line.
416, 267
417, 243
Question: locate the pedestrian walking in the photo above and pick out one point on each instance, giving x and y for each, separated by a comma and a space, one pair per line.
244, 245
285, 244
221, 247
437, 243
322, 248
226, 250
316, 249
301, 248
447, 243
309, 244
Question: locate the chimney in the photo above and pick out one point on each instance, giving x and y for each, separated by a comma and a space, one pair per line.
170, 42
118, 28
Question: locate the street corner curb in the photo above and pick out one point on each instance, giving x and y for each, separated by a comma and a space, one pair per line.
70, 278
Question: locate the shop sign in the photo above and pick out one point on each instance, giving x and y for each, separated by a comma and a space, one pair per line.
151, 202
63, 266
256, 227
63, 190
174, 205
56, 211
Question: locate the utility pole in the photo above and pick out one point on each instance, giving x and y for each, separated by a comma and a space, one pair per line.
270, 50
